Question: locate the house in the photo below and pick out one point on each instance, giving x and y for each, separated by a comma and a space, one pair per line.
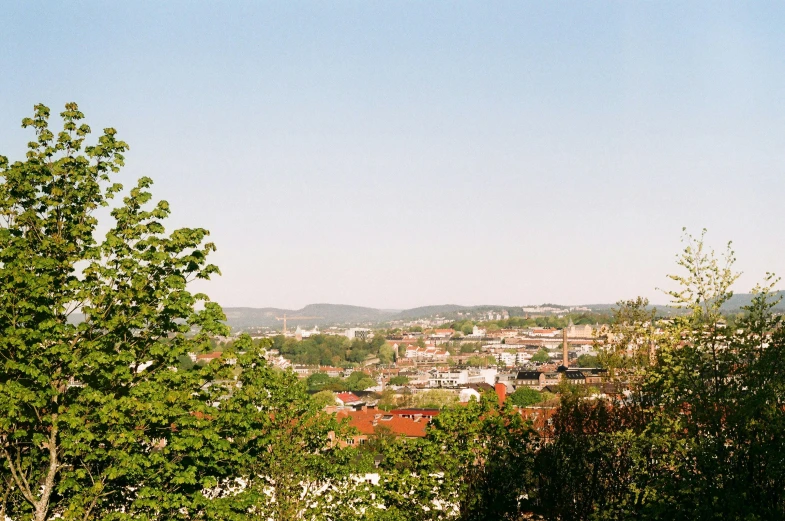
347, 399
407, 423
541, 419
548, 332
574, 377
461, 377
477, 333
332, 372
304, 371
468, 394
581, 331
511, 359
530, 379
442, 334
278, 361
506, 359
415, 413
358, 332
208, 357
594, 375
426, 353
551, 378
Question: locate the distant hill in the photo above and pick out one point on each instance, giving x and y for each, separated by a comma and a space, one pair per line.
739, 300
344, 315
338, 314
735, 304
427, 311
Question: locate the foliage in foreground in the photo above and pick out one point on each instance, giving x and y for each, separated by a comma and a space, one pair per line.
703, 434
96, 422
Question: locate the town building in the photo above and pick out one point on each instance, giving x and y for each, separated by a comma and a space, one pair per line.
461, 377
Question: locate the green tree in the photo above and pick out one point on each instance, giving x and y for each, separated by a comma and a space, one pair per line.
474, 464
388, 400
386, 354
318, 381
487, 454
377, 342
470, 347
720, 393
702, 432
541, 356
525, 396
271, 435
185, 363
587, 361
480, 361
87, 408
605, 444
359, 381
432, 399
467, 328
399, 380
323, 399
627, 344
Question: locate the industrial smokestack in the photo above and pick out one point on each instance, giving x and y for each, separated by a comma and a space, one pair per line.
565, 362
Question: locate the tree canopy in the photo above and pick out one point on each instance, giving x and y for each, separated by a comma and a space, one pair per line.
541, 356
98, 416
525, 396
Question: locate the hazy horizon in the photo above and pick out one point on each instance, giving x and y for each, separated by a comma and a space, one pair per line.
381, 308
396, 155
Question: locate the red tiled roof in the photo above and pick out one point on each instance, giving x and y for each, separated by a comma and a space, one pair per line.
539, 418
367, 421
430, 413
329, 368
208, 356
348, 397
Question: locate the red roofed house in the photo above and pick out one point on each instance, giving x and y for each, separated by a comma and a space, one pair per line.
208, 357
442, 334
414, 414
345, 399
410, 424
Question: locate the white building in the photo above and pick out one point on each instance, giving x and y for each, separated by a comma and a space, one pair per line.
305, 333
477, 333
358, 332
511, 359
426, 353
457, 378
468, 394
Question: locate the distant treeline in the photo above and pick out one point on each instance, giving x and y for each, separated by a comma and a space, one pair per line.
465, 326
332, 350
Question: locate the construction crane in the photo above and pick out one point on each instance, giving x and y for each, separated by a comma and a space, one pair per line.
284, 317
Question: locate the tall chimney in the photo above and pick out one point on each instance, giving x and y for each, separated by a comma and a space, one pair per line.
566, 361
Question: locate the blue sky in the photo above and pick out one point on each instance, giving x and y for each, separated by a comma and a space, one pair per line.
396, 154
